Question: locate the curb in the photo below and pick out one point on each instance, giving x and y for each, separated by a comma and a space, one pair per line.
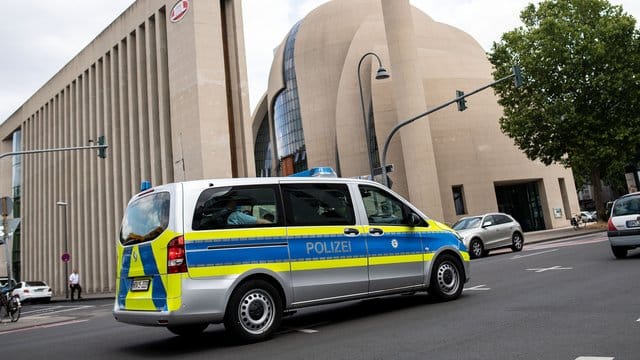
84, 299
563, 236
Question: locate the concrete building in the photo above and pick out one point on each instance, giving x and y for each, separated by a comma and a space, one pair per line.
450, 164
166, 84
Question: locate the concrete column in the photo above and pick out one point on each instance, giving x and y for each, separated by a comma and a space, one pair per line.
417, 147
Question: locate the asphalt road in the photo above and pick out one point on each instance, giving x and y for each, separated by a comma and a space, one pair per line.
561, 300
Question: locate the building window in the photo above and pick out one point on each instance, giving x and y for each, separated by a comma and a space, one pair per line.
262, 150
458, 199
286, 113
17, 172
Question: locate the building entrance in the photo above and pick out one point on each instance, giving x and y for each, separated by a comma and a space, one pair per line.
522, 201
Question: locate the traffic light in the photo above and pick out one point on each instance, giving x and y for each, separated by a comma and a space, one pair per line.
517, 76
102, 151
462, 103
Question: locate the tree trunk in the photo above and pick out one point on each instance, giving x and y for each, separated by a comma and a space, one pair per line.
597, 194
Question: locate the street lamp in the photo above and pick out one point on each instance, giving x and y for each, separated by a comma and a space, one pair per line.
380, 74
63, 205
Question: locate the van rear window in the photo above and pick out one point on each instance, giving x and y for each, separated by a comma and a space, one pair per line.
145, 218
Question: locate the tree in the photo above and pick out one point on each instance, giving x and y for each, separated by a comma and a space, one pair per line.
580, 103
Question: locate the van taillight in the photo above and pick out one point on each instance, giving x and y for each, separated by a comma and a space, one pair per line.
176, 259
610, 225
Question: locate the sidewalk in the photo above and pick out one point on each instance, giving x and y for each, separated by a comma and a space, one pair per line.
92, 296
51, 318
562, 233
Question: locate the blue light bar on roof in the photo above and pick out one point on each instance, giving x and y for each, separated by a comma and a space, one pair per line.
145, 185
323, 171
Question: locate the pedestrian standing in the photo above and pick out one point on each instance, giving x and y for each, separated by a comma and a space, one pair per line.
74, 284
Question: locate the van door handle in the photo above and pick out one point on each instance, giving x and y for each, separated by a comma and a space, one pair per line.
376, 231
351, 232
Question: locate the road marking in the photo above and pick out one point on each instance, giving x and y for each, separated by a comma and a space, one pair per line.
53, 310
557, 267
308, 331
563, 243
478, 288
538, 253
44, 326
594, 358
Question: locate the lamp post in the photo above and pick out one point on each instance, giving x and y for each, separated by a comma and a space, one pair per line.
380, 74
63, 205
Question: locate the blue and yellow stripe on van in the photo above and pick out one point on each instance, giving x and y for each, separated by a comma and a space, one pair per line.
235, 251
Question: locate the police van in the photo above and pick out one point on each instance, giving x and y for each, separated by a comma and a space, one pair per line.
244, 251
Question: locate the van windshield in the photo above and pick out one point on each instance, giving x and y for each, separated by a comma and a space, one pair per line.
145, 218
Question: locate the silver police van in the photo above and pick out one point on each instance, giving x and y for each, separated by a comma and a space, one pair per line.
243, 251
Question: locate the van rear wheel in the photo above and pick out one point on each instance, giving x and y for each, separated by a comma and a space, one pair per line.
187, 330
254, 311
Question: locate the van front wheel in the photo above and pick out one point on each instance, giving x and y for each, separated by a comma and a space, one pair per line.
254, 311
446, 281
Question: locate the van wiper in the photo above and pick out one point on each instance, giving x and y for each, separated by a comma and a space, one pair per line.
136, 239
133, 239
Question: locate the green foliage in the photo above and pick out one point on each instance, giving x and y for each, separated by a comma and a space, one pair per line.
580, 103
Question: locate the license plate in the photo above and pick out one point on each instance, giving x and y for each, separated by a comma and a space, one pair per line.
633, 223
140, 285
38, 290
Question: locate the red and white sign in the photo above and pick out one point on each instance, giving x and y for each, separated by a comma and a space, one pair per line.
179, 10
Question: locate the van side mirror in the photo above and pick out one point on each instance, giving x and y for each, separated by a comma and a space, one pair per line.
414, 220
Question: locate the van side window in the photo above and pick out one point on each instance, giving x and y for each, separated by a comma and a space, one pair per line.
382, 208
236, 206
318, 204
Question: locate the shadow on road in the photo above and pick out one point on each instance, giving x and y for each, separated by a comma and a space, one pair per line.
216, 337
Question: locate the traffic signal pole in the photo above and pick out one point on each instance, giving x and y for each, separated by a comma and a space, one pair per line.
101, 147
516, 75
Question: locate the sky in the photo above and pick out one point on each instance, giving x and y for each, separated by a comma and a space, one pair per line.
40, 37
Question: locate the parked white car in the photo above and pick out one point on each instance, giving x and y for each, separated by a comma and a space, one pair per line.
33, 290
588, 216
624, 225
